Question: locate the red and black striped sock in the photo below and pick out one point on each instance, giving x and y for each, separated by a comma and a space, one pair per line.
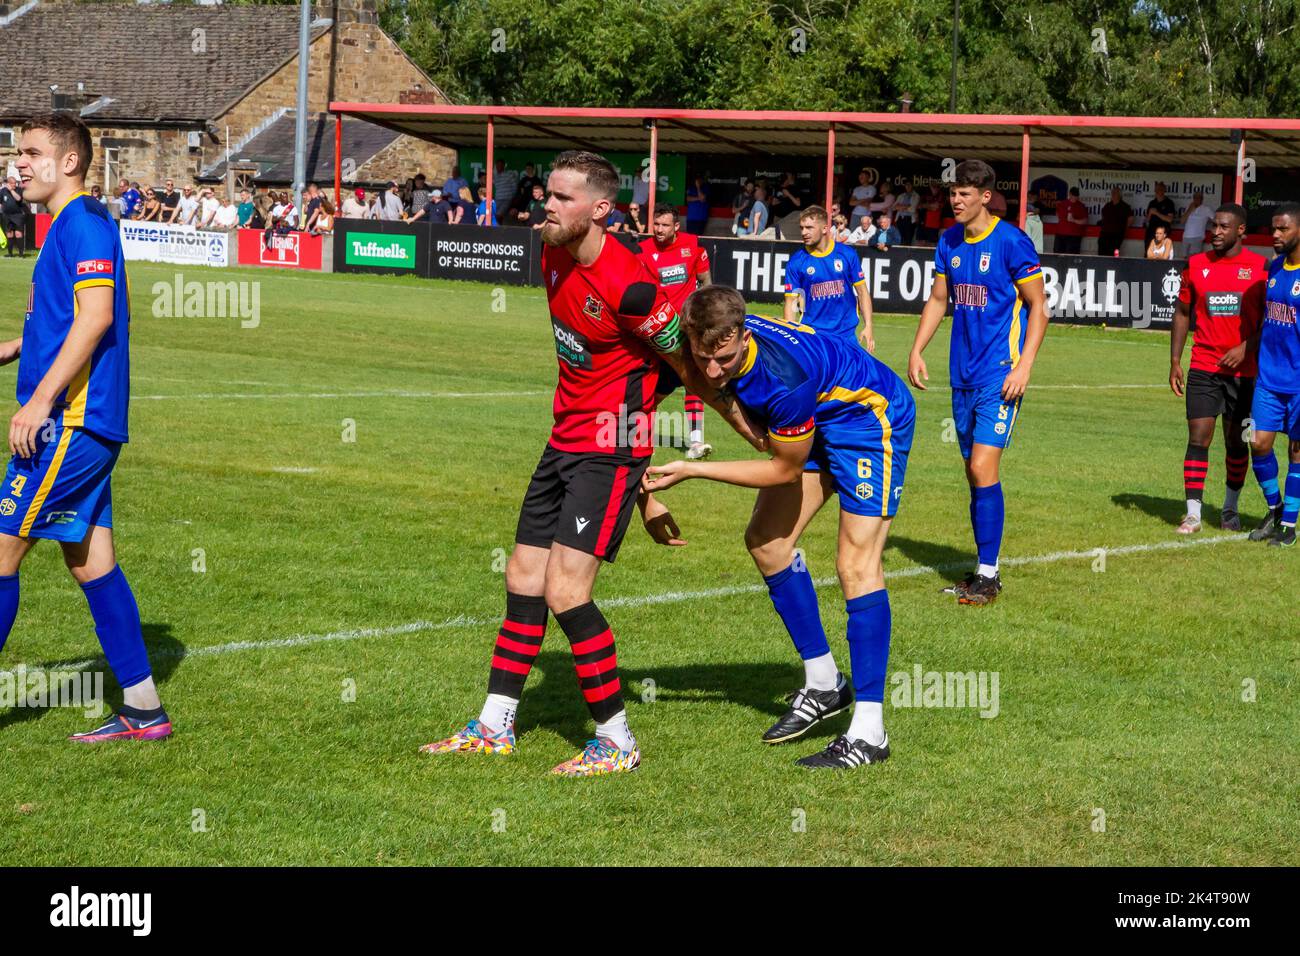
694, 412
518, 642
594, 659
1196, 462
1236, 469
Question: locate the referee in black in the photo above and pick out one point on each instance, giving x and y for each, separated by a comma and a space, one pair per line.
14, 216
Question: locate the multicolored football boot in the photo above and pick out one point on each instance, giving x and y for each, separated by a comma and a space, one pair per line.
474, 738
124, 726
600, 757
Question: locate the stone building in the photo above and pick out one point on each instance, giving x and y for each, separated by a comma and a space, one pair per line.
169, 91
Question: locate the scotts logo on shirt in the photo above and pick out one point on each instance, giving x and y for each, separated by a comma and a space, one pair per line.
570, 347
94, 267
1223, 303
672, 275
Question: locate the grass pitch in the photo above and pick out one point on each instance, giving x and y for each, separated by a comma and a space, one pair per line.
350, 593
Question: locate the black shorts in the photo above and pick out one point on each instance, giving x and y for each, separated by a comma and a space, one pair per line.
1210, 395
583, 500
669, 380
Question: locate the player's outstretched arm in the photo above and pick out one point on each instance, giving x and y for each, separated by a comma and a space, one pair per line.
1177, 339
931, 317
94, 317
1034, 293
785, 467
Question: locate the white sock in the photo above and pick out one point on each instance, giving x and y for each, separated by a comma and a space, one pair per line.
987, 570
820, 673
498, 712
868, 722
1230, 496
697, 436
1194, 509
616, 729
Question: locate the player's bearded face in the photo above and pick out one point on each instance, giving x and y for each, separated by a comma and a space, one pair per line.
1286, 235
570, 208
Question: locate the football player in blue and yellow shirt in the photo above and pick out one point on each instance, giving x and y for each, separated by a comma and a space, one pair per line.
1276, 405
74, 388
822, 399
827, 276
999, 317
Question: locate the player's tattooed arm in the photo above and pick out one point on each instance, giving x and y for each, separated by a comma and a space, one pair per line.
721, 401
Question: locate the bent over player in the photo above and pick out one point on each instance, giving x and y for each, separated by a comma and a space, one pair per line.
826, 400
74, 386
612, 327
1224, 289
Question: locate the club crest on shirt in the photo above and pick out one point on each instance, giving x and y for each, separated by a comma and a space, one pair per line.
985, 259
1243, 274
811, 270
1295, 288
592, 308
686, 253
839, 265
956, 262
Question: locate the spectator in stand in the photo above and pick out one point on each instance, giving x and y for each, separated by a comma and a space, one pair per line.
505, 186
535, 215
697, 206
740, 207
906, 205
1034, 226
312, 199
284, 216
131, 198
1071, 220
115, 200
997, 204
186, 207
616, 221
485, 213
406, 192
634, 223
208, 206
641, 191
1160, 246
883, 204
887, 235
98, 194
526, 183
13, 211
388, 204
932, 213
169, 198
1194, 225
759, 217
419, 193
1116, 218
841, 228
437, 210
325, 219
863, 233
456, 189
355, 205
227, 215
863, 194
787, 198
1160, 212
244, 211
151, 209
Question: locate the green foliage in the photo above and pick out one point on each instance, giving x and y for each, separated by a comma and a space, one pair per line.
1154, 57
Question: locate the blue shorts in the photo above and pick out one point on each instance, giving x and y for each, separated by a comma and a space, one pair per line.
983, 417
63, 491
1276, 411
866, 456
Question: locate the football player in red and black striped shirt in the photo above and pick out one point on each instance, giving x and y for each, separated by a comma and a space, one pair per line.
1224, 289
680, 265
612, 326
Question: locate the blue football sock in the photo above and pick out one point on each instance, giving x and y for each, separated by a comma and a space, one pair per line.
1291, 504
795, 600
8, 605
987, 515
869, 623
117, 623
1265, 468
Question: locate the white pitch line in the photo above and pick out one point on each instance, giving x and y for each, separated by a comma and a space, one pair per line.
648, 600
311, 395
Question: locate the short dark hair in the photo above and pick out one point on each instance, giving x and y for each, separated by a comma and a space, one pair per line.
602, 177
1074, 190
666, 209
1289, 209
1234, 210
975, 172
815, 213
68, 134
713, 314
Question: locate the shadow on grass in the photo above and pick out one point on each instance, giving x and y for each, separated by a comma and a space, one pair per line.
555, 702
950, 563
165, 654
1171, 510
